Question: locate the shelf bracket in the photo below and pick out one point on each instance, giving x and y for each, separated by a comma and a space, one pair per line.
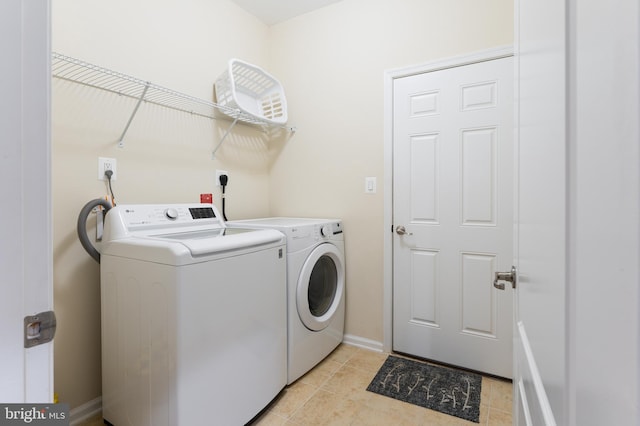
133, 114
213, 154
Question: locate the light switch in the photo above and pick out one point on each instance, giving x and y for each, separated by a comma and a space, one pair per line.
370, 185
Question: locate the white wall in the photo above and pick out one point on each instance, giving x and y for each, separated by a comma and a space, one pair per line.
180, 44
589, 353
332, 64
605, 212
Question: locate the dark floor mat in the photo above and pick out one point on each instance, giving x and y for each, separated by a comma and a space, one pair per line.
450, 391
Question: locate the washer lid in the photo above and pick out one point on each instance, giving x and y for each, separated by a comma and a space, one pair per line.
213, 240
192, 246
176, 233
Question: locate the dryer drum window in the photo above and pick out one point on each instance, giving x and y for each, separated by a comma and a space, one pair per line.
323, 285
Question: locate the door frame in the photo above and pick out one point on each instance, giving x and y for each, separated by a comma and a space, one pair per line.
26, 228
389, 77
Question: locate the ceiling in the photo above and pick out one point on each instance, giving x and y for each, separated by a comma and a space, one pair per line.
273, 11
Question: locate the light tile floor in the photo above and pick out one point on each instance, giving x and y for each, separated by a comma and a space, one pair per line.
334, 393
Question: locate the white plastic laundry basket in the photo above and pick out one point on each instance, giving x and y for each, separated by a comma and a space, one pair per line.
253, 91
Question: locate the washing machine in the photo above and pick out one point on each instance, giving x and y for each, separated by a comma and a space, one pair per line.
315, 287
193, 317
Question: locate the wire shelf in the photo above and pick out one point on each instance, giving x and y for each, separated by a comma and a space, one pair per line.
74, 70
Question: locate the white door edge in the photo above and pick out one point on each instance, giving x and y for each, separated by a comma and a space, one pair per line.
539, 394
389, 77
27, 373
39, 381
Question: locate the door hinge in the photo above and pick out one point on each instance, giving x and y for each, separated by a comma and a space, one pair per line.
39, 328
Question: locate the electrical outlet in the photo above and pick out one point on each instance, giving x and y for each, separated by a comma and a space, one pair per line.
218, 173
105, 164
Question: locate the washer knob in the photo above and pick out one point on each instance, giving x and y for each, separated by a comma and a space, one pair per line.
171, 214
325, 230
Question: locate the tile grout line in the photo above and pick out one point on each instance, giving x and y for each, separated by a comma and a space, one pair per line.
494, 394
319, 387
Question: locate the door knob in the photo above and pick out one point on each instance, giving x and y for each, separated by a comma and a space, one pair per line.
505, 276
401, 230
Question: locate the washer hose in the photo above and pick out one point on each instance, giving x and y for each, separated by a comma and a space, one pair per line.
82, 226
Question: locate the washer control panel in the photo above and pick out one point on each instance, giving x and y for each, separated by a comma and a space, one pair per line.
171, 213
301, 233
330, 229
124, 219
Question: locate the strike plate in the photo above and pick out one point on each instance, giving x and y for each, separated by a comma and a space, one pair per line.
39, 328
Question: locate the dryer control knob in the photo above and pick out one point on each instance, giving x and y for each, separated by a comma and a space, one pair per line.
325, 230
171, 214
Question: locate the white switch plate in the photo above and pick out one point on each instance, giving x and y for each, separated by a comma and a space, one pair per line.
105, 164
370, 185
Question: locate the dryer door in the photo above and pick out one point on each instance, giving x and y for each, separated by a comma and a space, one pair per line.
320, 287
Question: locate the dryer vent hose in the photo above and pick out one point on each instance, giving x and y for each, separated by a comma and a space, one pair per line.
82, 225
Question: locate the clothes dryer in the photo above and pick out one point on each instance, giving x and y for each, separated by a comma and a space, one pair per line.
315, 287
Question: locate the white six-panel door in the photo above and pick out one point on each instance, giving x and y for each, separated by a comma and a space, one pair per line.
452, 193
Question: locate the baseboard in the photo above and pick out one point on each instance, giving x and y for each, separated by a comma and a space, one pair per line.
85, 411
362, 342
